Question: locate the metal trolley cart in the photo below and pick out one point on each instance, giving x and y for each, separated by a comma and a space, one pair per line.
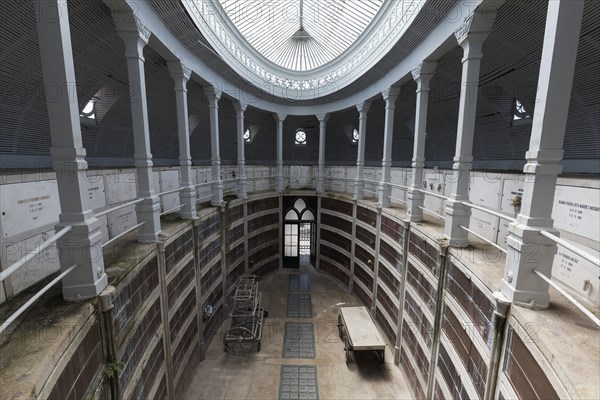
359, 333
247, 315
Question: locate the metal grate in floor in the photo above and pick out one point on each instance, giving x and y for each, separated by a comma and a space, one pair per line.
299, 340
298, 382
299, 306
298, 283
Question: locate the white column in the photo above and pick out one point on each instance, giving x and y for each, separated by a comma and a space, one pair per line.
363, 109
279, 118
136, 36
181, 75
470, 37
422, 76
213, 96
83, 244
240, 109
385, 190
527, 249
322, 132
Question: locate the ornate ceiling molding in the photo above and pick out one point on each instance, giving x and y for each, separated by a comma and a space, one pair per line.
388, 26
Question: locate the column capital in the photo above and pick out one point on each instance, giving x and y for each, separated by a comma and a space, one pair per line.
133, 32
390, 94
423, 73
240, 107
180, 74
322, 118
279, 118
476, 27
363, 107
213, 95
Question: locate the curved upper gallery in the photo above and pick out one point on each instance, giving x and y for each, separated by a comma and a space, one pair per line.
509, 74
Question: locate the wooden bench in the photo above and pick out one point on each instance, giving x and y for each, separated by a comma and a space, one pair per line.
359, 333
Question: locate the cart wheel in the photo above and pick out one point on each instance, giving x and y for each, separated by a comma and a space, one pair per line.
348, 349
243, 336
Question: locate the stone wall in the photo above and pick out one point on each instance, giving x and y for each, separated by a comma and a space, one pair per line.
434, 306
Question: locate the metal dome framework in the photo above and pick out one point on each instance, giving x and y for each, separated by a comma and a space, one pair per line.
301, 35
341, 61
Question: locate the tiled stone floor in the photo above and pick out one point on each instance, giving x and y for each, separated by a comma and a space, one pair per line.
299, 340
299, 283
299, 306
298, 382
248, 374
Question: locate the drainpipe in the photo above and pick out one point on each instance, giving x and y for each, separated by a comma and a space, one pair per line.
164, 309
107, 326
497, 338
437, 318
402, 290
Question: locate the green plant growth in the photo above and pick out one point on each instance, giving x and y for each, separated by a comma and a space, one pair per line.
113, 368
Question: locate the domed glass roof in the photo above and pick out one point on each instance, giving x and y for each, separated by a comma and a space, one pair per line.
301, 35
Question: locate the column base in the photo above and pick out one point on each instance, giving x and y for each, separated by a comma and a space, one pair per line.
526, 299
188, 197
385, 193
217, 199
74, 293
528, 250
415, 200
358, 190
82, 246
148, 211
242, 192
457, 215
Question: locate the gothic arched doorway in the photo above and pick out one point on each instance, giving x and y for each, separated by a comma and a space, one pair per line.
299, 234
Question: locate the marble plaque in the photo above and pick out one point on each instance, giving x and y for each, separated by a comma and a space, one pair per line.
121, 187
350, 176
448, 183
121, 220
502, 233
104, 228
203, 175
577, 210
484, 224
574, 270
28, 206
169, 180
334, 179
42, 265
300, 175
203, 194
370, 188
95, 192
510, 190
434, 182
485, 192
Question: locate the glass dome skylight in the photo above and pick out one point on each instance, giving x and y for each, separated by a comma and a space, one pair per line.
275, 46
301, 35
